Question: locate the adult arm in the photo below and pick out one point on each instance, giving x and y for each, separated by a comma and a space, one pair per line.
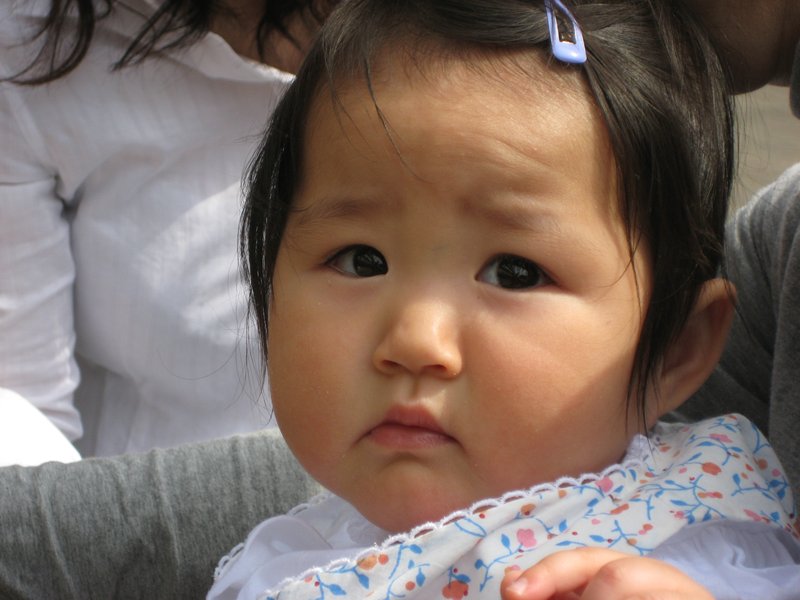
140, 526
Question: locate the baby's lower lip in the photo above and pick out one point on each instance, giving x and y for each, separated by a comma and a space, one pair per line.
405, 437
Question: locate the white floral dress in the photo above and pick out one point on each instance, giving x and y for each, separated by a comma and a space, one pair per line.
718, 469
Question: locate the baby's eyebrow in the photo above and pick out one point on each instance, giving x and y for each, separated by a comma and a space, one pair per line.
519, 214
343, 208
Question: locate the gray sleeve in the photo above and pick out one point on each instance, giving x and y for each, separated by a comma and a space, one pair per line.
736, 559
141, 526
759, 374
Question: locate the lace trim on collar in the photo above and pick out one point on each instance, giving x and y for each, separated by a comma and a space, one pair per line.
634, 459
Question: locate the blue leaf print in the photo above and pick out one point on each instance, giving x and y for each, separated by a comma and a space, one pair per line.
562, 527
336, 590
415, 549
505, 541
706, 444
736, 478
461, 577
420, 579
479, 564
363, 580
679, 503
597, 538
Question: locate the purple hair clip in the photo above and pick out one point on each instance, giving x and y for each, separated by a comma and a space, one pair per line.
566, 38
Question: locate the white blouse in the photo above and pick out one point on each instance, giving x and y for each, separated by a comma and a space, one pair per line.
120, 290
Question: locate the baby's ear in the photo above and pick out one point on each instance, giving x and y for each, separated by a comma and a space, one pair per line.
693, 355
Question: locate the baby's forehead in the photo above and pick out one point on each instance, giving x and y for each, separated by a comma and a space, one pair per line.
507, 83
429, 62
498, 118
401, 83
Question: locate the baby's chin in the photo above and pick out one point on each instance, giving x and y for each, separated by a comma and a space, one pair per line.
402, 514
401, 521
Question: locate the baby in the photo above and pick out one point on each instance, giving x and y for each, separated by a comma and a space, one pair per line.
482, 240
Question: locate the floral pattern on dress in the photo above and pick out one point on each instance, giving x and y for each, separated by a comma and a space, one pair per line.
722, 468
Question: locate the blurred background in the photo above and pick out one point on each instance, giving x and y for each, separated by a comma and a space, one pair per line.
769, 142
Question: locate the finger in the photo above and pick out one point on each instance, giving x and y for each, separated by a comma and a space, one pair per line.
533, 594
642, 578
558, 574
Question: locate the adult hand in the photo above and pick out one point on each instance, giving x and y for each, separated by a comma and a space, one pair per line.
600, 574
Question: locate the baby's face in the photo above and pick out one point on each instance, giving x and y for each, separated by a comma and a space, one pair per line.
455, 315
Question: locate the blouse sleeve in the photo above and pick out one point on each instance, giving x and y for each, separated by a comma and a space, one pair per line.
140, 526
37, 335
736, 559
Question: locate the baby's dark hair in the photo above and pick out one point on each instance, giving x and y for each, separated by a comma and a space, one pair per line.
654, 77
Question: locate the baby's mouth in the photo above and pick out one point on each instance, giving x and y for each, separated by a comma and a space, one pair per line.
409, 428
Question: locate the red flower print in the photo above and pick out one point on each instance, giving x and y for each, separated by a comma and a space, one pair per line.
620, 509
526, 538
366, 563
711, 468
605, 484
756, 516
721, 437
455, 590
709, 494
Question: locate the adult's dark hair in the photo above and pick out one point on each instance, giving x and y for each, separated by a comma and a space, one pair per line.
67, 30
655, 79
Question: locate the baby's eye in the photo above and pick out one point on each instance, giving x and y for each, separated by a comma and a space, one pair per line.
513, 273
359, 261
